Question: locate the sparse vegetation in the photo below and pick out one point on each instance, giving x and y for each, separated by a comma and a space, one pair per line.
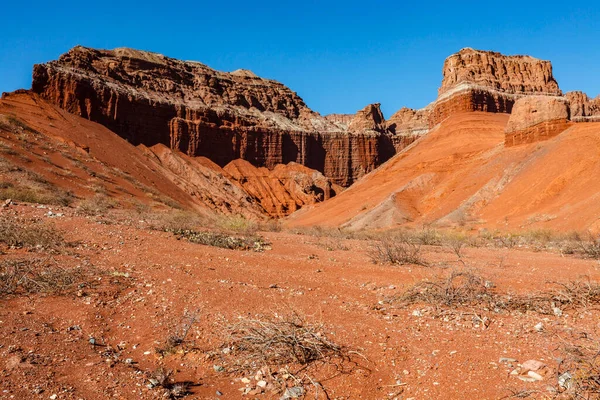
41, 276
178, 335
401, 250
579, 369
18, 232
467, 289
223, 240
99, 204
163, 378
278, 341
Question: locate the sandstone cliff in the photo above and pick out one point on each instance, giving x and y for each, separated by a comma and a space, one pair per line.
148, 99
475, 80
583, 108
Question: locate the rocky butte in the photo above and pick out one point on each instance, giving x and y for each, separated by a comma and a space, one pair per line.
151, 99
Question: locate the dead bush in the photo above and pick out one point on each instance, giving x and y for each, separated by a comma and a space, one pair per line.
278, 341
163, 378
223, 240
579, 371
178, 334
42, 276
97, 205
401, 251
467, 289
18, 232
590, 246
456, 290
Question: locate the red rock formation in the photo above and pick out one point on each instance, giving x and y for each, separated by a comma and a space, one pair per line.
408, 125
149, 99
369, 118
476, 80
283, 190
341, 120
536, 118
583, 109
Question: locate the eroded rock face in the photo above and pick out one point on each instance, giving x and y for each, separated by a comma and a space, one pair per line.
583, 108
535, 118
475, 80
369, 118
148, 99
284, 189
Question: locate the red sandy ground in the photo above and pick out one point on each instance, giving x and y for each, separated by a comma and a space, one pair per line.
433, 358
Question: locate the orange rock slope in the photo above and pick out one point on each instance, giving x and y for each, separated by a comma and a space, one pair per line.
462, 173
86, 158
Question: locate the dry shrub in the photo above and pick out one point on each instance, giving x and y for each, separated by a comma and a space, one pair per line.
41, 276
178, 334
97, 205
177, 221
589, 247
18, 232
163, 378
467, 289
278, 341
579, 371
458, 289
223, 240
401, 250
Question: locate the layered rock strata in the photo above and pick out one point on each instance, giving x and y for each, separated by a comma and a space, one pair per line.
476, 80
148, 99
536, 118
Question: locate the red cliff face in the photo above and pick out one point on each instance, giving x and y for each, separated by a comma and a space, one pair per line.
476, 80
148, 99
583, 109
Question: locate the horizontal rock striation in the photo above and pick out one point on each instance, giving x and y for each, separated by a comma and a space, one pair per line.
536, 118
148, 99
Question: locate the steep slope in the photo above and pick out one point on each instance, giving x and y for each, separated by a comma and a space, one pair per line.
71, 154
462, 174
78, 155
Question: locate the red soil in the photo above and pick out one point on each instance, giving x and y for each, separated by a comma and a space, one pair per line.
152, 278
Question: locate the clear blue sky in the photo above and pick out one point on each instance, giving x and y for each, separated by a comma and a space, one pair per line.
338, 55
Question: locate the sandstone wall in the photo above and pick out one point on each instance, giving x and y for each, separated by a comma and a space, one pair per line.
148, 99
536, 118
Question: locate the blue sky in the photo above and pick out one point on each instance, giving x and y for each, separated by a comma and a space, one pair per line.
338, 55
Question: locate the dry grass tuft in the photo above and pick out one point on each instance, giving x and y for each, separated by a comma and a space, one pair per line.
97, 205
42, 276
223, 240
401, 250
279, 341
18, 232
467, 289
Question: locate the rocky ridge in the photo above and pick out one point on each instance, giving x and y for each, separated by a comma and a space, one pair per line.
148, 99
151, 99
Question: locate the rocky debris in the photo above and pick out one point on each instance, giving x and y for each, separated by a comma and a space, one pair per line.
293, 393
583, 109
475, 80
531, 371
536, 118
149, 99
